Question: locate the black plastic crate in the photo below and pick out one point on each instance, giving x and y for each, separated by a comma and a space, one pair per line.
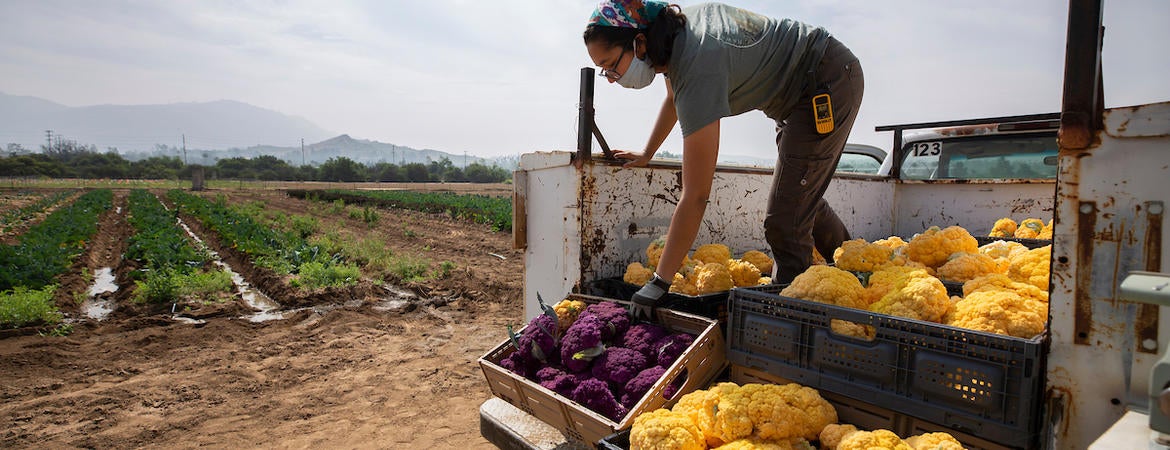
616, 441
711, 306
1030, 243
980, 383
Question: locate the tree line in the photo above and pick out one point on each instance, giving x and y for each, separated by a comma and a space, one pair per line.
71, 160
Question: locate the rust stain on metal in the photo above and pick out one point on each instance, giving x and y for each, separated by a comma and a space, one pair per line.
1023, 205
1086, 224
1011, 181
967, 130
1061, 406
1146, 326
592, 239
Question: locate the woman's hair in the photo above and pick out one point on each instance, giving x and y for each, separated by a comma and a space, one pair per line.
659, 36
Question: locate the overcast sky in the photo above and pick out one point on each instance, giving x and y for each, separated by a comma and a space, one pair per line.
500, 77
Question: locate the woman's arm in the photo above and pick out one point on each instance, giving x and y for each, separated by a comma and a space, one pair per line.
667, 117
700, 152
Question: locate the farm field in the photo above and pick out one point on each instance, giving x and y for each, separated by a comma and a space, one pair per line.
384, 360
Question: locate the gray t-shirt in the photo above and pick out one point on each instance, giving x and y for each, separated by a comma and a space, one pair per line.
729, 61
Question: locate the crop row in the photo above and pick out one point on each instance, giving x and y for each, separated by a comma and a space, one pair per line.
281, 252
48, 248
29, 211
170, 267
495, 211
158, 243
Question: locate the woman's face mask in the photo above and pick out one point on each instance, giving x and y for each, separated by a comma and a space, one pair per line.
639, 74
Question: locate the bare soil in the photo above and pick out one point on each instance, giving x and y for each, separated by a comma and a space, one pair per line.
348, 373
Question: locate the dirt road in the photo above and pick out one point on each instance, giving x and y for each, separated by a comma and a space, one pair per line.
352, 375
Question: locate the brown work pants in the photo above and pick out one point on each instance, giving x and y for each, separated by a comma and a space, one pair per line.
798, 218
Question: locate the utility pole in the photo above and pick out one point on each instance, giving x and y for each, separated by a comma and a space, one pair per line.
48, 140
184, 149
465, 159
302, 151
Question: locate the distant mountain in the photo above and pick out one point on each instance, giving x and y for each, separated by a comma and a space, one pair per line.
209, 125
213, 131
360, 150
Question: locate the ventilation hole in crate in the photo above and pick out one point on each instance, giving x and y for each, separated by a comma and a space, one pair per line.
853, 329
972, 386
673, 389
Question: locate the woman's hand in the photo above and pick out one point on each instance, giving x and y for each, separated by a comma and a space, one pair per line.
634, 159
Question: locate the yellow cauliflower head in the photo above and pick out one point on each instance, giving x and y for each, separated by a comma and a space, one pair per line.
1001, 282
1002, 249
933, 246
654, 251
682, 285
1029, 229
713, 277
886, 278
852, 329
1032, 267
915, 297
1005, 227
827, 284
712, 253
567, 312
963, 267
893, 242
873, 440
759, 259
1000, 312
860, 256
833, 434
1046, 232
754, 443
743, 273
934, 441
663, 429
637, 274
702, 407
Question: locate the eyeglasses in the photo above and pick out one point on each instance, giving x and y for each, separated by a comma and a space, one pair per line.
611, 73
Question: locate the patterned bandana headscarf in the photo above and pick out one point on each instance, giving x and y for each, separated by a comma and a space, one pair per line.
627, 13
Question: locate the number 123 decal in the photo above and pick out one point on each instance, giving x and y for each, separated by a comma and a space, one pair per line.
926, 149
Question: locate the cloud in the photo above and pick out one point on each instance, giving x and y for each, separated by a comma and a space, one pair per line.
493, 78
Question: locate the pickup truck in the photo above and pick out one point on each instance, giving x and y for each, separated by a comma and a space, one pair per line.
1102, 176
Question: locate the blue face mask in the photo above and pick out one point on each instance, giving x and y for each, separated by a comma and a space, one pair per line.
639, 74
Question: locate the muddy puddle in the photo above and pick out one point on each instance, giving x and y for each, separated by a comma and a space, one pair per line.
98, 303
266, 308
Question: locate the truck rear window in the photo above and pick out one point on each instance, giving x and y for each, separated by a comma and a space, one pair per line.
981, 157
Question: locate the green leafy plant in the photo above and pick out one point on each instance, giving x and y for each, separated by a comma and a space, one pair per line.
206, 286
157, 288
23, 306
316, 275
444, 270
61, 330
48, 248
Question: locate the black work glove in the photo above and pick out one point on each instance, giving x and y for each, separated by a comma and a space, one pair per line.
643, 302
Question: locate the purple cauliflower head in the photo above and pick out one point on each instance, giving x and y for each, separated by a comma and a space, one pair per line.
618, 365
582, 343
642, 337
517, 363
537, 341
670, 348
596, 396
637, 387
557, 380
614, 316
